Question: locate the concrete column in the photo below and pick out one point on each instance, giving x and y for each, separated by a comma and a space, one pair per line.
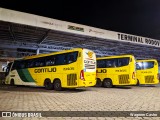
37, 51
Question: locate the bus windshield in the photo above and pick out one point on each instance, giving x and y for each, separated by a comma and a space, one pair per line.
144, 65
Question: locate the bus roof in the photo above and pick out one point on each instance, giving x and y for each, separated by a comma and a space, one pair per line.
53, 53
116, 56
143, 60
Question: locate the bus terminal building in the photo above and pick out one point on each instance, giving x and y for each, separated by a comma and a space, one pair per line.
23, 34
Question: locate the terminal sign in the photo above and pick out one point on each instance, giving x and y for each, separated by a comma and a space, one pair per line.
138, 39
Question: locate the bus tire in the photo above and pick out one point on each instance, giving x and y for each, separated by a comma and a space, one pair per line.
98, 83
107, 83
57, 85
48, 85
12, 82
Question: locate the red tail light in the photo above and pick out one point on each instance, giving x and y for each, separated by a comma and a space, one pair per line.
133, 75
82, 75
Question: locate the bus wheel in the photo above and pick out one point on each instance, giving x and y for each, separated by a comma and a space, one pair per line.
57, 85
48, 85
98, 83
12, 82
107, 83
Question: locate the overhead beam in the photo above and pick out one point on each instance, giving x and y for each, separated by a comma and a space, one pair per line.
44, 37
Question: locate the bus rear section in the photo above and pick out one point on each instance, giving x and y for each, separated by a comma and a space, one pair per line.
147, 71
116, 70
88, 71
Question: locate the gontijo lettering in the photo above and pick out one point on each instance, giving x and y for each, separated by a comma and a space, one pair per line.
42, 70
89, 62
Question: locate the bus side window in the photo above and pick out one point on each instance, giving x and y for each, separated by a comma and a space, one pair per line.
110, 63
150, 64
50, 61
123, 62
62, 59
68, 58
47, 61
101, 63
65, 58
14, 66
71, 59
30, 63
22, 65
42, 62
137, 66
37, 63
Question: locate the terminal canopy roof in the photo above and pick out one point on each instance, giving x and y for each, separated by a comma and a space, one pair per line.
23, 34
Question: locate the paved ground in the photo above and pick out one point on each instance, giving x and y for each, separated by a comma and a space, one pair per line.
144, 98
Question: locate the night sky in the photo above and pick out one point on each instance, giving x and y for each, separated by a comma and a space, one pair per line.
138, 17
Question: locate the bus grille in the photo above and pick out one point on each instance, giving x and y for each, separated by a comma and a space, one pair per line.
123, 79
71, 79
149, 79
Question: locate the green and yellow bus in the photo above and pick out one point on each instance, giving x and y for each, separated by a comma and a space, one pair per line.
147, 71
116, 70
65, 69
